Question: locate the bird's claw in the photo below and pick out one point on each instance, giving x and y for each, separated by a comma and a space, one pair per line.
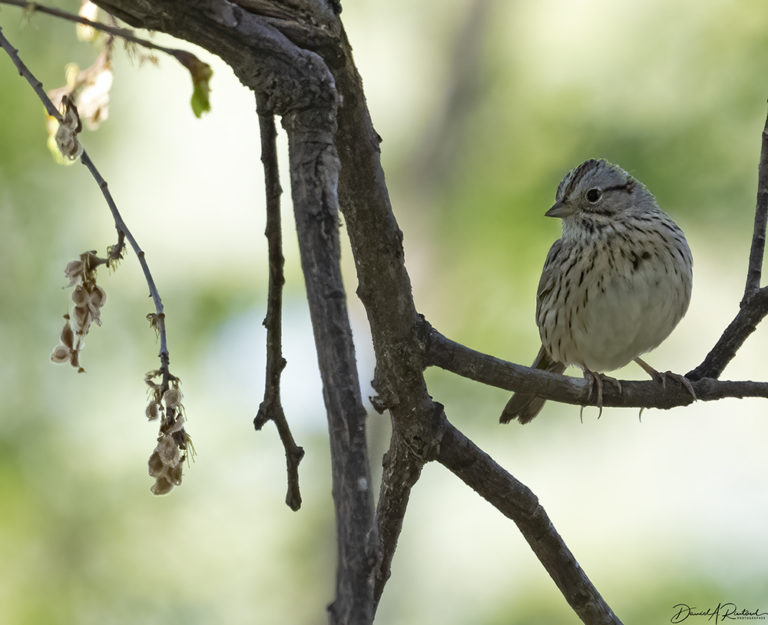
680, 379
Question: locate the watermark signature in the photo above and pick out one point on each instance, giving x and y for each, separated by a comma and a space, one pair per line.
722, 612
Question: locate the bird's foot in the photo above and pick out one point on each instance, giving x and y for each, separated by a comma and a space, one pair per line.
595, 384
661, 377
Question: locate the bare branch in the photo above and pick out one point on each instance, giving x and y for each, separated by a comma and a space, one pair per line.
271, 408
166, 461
385, 289
754, 308
24, 72
468, 363
515, 500
757, 251
754, 304
314, 171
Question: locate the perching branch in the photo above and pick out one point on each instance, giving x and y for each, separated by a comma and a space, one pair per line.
271, 408
451, 356
444, 353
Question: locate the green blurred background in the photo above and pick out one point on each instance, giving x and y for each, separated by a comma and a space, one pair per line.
483, 106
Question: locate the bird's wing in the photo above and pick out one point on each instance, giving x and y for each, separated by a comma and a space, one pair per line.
547, 281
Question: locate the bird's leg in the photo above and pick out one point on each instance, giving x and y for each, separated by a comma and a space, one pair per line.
662, 377
595, 385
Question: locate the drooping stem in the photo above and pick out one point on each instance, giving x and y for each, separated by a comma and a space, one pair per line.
123, 232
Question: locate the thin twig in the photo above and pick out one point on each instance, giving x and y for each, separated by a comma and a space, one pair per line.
187, 59
123, 232
271, 408
123, 33
761, 218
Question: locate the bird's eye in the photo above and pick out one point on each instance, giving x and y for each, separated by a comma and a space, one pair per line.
593, 195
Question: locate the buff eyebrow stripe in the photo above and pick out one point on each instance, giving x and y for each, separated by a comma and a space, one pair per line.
619, 187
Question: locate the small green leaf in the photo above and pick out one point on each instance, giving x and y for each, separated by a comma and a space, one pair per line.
200, 102
201, 76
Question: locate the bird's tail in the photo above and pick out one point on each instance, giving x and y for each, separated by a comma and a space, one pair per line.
525, 406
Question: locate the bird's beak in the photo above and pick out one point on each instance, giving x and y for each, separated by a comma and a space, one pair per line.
560, 209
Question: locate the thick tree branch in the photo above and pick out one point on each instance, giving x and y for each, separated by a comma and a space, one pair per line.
314, 174
402, 469
419, 425
385, 290
295, 84
515, 500
447, 354
271, 409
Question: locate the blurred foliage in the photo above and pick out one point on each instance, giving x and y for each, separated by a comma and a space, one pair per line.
483, 106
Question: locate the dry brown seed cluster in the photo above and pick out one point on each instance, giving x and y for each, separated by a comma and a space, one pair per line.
173, 442
87, 300
68, 129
